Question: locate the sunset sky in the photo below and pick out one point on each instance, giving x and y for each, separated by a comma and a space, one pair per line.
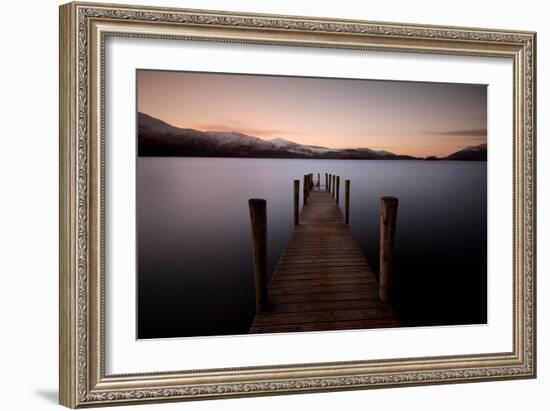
414, 118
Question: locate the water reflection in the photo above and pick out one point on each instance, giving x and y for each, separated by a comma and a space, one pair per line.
194, 253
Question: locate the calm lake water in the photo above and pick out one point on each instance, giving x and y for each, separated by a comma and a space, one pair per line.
195, 274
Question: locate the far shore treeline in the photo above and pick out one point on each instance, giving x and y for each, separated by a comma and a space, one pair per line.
157, 138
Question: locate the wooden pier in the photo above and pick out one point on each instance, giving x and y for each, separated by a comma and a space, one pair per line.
323, 280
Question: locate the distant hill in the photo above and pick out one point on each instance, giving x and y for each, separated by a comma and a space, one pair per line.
157, 138
471, 153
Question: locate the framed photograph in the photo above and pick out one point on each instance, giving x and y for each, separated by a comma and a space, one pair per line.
259, 204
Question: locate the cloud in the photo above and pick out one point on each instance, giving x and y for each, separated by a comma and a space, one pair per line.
481, 132
239, 127
374, 134
249, 131
264, 132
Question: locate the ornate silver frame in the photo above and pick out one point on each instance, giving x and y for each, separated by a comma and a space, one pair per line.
83, 30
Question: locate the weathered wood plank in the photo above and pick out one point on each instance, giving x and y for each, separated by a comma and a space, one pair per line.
323, 280
324, 288
313, 297
325, 305
322, 326
304, 277
318, 281
327, 326
328, 315
322, 270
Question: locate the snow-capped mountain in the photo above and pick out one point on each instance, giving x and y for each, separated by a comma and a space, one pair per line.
158, 138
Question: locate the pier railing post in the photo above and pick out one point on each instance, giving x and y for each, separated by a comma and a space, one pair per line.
334, 186
388, 217
258, 221
305, 189
296, 202
346, 207
326, 181
338, 190
319, 180
329, 183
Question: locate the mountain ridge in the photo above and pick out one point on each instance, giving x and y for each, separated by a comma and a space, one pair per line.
159, 138
470, 153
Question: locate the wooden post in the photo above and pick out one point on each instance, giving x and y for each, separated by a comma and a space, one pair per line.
338, 190
258, 221
326, 181
333, 185
296, 202
388, 217
329, 181
305, 189
346, 207
319, 180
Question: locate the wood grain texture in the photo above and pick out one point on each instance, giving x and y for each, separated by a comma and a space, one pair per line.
323, 280
388, 217
258, 221
296, 193
346, 206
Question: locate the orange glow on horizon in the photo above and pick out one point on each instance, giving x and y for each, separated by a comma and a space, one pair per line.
419, 119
